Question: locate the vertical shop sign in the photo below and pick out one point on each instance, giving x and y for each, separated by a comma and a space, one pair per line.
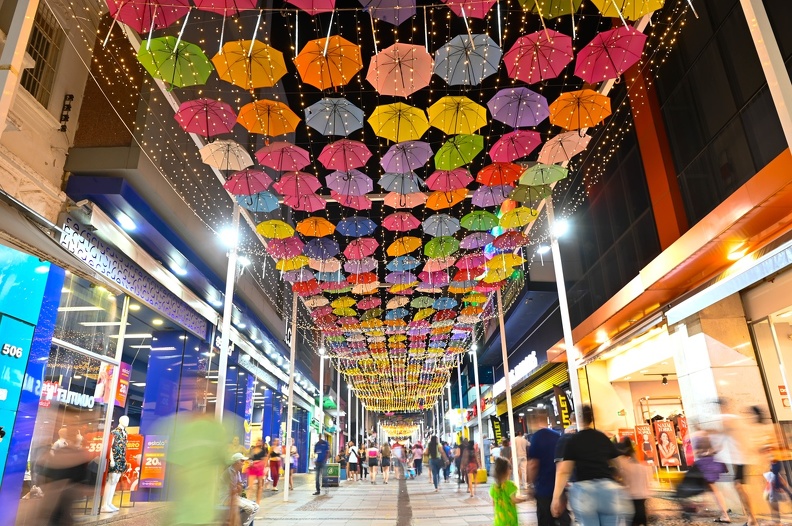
124, 375
667, 444
152, 469
134, 456
562, 403
497, 432
645, 445
251, 387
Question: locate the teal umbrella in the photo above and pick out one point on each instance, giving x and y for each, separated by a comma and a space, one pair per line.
176, 62
458, 151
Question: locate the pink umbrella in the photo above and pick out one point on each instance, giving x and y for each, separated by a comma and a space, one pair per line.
327, 265
314, 7
361, 248
510, 240
400, 222
400, 70
283, 156
406, 156
356, 202
487, 196
305, 202
539, 56
225, 7
437, 279
247, 182
206, 117
369, 303
489, 287
514, 145
358, 266
397, 200
344, 155
473, 8
335, 285
322, 311
610, 54
436, 264
476, 240
296, 183
285, 248
469, 261
448, 180
353, 182
563, 147
139, 14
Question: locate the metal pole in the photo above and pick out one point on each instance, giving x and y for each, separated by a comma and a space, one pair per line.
338, 412
321, 390
450, 407
478, 405
563, 306
359, 437
507, 381
225, 336
459, 384
349, 414
290, 411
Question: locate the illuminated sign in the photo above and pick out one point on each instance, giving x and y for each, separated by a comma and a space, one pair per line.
520, 372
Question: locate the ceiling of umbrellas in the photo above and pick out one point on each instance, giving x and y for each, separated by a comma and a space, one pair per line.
395, 153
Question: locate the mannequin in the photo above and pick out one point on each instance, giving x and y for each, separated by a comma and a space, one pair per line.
117, 465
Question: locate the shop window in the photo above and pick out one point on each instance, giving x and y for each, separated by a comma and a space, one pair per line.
711, 86
46, 39
762, 128
700, 194
730, 159
646, 242
780, 13
745, 70
634, 181
617, 204
698, 32
685, 135
628, 260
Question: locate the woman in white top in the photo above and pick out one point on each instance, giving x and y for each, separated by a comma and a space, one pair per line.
353, 458
372, 455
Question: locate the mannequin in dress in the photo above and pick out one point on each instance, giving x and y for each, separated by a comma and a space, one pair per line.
117, 465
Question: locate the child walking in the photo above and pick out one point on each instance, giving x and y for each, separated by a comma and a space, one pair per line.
505, 495
635, 477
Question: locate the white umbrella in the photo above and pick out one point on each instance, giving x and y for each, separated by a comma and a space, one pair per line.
561, 148
226, 155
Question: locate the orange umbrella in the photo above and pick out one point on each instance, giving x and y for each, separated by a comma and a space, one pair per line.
576, 110
396, 200
315, 227
441, 200
268, 117
250, 65
403, 245
324, 63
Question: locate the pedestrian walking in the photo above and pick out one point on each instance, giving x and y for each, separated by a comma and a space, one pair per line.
321, 453
373, 456
353, 459
505, 495
541, 472
635, 477
418, 453
438, 459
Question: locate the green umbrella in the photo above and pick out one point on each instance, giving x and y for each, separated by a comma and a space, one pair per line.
540, 174
479, 220
422, 302
371, 314
530, 195
441, 247
550, 9
179, 64
458, 150
335, 339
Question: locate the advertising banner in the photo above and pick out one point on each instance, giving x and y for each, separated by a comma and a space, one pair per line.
645, 445
684, 436
621, 433
564, 408
251, 388
497, 432
152, 469
125, 373
92, 442
134, 454
102, 391
667, 444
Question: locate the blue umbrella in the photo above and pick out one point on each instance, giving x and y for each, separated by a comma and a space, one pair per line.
260, 202
403, 263
401, 183
444, 303
334, 116
321, 248
441, 225
336, 277
396, 314
356, 226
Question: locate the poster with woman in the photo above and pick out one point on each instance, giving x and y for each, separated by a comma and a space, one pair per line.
645, 445
667, 444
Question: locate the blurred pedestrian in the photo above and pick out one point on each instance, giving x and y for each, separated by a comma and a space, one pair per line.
233, 488
321, 453
635, 477
521, 447
505, 449
276, 453
542, 472
505, 495
487, 452
255, 472
776, 490
385, 461
373, 456
417, 454
471, 463
294, 457
710, 469
437, 460
447, 466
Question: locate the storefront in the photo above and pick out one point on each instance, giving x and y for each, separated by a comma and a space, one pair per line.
541, 400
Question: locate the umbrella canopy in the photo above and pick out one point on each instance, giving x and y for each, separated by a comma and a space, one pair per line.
531, 195
315, 227
510, 240
401, 183
466, 61
402, 263
504, 261
358, 266
487, 196
440, 225
331, 69
182, 66
369, 303
442, 200
515, 145
206, 117
344, 155
470, 8
314, 7
327, 265
225, 7
400, 70
260, 202
496, 174
479, 220
471, 261
351, 183
400, 222
440, 247
356, 226
284, 248
391, 11
356, 202
435, 264
283, 156
406, 156
275, 229
575, 110
458, 151
518, 218
400, 277
561, 148
321, 248
249, 64
397, 200
518, 107
476, 240
293, 184
398, 122
543, 174
305, 202
334, 116
395, 303
361, 248
448, 180
403, 246
139, 14
539, 56
226, 155
268, 117
364, 278
610, 54
457, 114
247, 182
629, 9
549, 9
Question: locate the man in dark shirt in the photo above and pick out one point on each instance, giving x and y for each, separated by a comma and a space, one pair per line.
321, 450
541, 472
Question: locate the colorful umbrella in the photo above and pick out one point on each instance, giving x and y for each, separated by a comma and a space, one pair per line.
356, 226
315, 227
260, 202
363, 278
344, 155
440, 225
326, 64
397, 200
369, 303
442, 200
406, 156
539, 56
436, 264
447, 180
327, 265
575, 110
247, 182
479, 220
401, 183
470, 8
395, 303
402, 263
391, 11
206, 117
440, 247
487, 196
334, 116
541, 174
400, 222
518, 107
549, 9
225, 7
400, 70
182, 66
609, 54
403, 246
305, 202
275, 229
284, 248
531, 195
316, 301
268, 117
467, 61
561, 148
398, 122
356, 202
629, 9
226, 155
321, 248
457, 114
518, 218
470, 261
514, 145
504, 261
458, 151
139, 14
496, 174
510, 240
293, 184
283, 156
249, 64
444, 303
361, 248
352, 183
400, 278
358, 266
314, 7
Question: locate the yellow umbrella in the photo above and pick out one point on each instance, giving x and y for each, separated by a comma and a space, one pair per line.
398, 122
260, 67
315, 227
297, 262
456, 114
345, 311
453, 289
504, 261
629, 9
496, 274
396, 338
518, 217
275, 229
475, 297
268, 117
373, 323
343, 302
423, 314
401, 287
403, 245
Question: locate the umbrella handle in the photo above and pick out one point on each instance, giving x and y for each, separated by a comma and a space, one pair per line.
470, 35
178, 40
222, 34
151, 31
619, 12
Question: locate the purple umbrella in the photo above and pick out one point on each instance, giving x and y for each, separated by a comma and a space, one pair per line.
391, 11
354, 182
359, 266
206, 117
297, 276
400, 278
476, 240
321, 248
436, 279
406, 156
518, 107
487, 196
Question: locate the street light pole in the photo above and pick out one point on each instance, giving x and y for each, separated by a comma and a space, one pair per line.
321, 389
507, 382
228, 306
478, 402
290, 411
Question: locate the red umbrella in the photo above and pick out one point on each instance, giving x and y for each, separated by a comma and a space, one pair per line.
447, 180
539, 56
206, 117
497, 174
361, 248
296, 183
356, 202
306, 288
471, 261
314, 7
514, 145
369, 303
225, 7
139, 14
305, 202
489, 287
327, 319
468, 274
445, 315
400, 222
362, 279
396, 200
610, 54
344, 155
473, 8
247, 182
286, 248
510, 240
324, 310
283, 156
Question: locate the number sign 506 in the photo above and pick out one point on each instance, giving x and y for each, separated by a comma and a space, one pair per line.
11, 351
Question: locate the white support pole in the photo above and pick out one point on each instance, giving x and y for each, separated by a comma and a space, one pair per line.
349, 415
228, 306
563, 306
459, 384
365, 431
474, 353
321, 389
450, 407
338, 413
507, 381
290, 411
13, 54
359, 436
772, 62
